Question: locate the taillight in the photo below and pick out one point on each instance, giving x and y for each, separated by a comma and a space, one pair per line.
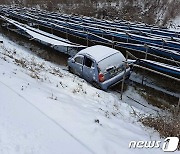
101, 77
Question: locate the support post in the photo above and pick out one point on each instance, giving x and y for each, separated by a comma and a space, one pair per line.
113, 42
145, 58
164, 42
51, 30
87, 40
146, 51
127, 37
124, 77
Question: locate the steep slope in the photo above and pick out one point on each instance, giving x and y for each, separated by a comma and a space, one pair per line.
45, 109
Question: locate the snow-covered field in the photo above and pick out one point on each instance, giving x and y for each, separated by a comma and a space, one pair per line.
44, 109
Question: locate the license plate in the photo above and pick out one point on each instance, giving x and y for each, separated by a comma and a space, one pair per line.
114, 72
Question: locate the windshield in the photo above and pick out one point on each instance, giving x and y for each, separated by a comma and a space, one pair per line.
111, 61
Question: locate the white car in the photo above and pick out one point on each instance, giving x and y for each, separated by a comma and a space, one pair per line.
100, 65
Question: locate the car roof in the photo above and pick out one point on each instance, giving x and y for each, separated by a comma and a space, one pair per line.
98, 52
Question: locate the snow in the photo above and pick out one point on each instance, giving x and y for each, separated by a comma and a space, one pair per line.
44, 109
163, 65
22, 122
115, 60
165, 50
99, 52
175, 24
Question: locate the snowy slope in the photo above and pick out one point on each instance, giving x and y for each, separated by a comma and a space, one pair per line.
45, 109
175, 24
24, 128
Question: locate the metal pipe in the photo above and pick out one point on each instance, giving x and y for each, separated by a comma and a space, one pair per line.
148, 69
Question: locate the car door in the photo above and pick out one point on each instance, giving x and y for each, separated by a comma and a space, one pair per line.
89, 69
78, 65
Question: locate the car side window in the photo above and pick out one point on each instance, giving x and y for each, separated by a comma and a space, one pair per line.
88, 62
79, 59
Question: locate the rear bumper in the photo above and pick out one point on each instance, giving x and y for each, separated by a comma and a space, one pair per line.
115, 80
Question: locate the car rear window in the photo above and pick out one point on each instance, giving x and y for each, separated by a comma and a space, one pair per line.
113, 60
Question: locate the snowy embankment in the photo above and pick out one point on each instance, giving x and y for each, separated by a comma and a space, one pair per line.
45, 109
175, 24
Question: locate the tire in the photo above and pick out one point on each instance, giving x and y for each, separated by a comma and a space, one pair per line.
70, 70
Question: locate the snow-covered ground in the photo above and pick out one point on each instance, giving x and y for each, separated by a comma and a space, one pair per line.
44, 109
175, 24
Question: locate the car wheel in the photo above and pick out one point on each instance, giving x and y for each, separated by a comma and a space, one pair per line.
70, 70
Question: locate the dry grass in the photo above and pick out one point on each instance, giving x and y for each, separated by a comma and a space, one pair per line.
34, 75
167, 125
56, 72
21, 62
158, 12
